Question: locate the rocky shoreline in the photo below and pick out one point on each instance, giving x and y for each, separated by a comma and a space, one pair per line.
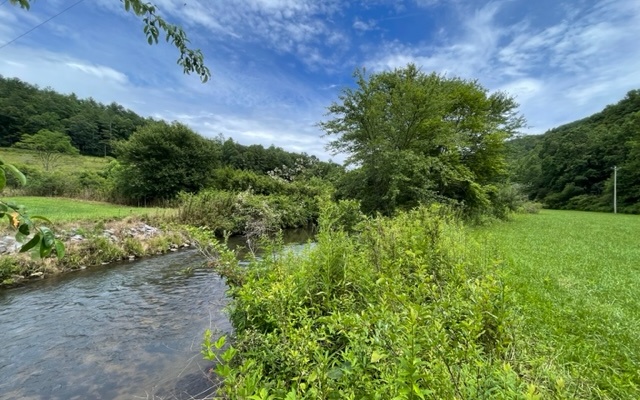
90, 245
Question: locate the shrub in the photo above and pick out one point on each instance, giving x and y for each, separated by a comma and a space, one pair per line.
507, 199
8, 267
245, 212
408, 308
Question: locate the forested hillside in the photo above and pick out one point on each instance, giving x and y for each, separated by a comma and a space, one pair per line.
571, 167
154, 159
92, 126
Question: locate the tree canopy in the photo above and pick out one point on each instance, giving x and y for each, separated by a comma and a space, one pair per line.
92, 126
162, 159
415, 137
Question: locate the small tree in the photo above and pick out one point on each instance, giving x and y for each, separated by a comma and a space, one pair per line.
49, 146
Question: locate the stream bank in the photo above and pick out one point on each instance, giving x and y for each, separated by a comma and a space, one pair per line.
89, 245
128, 330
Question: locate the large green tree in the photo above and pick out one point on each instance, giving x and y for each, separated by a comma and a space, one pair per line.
191, 60
416, 137
162, 159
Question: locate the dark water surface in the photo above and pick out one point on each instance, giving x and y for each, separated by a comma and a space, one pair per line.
126, 331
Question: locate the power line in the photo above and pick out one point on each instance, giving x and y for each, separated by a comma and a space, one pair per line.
41, 23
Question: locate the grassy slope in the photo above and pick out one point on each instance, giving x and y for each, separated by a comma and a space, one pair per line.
69, 210
65, 164
577, 279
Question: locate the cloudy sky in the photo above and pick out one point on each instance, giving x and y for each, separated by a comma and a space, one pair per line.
277, 64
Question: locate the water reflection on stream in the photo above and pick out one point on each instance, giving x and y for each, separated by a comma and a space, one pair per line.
117, 332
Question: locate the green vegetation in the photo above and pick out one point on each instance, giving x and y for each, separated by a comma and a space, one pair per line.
160, 160
408, 308
418, 138
92, 126
27, 229
397, 299
28, 160
48, 146
576, 282
245, 213
60, 210
571, 167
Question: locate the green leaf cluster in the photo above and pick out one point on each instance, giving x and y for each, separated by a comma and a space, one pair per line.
43, 240
417, 138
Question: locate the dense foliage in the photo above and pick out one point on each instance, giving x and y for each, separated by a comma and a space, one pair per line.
92, 126
245, 213
416, 137
409, 308
160, 160
571, 167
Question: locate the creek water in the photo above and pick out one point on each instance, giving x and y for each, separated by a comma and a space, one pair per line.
123, 331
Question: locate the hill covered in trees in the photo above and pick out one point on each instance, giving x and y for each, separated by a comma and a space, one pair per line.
163, 153
571, 166
92, 126
95, 128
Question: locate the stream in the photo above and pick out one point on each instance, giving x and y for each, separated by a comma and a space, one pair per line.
122, 331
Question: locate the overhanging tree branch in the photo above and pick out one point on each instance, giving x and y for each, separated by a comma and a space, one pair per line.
191, 60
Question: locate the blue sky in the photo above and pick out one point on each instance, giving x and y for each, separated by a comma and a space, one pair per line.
277, 64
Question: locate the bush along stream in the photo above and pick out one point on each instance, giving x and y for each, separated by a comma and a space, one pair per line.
406, 307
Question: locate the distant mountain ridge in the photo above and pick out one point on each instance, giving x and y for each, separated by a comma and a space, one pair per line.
571, 166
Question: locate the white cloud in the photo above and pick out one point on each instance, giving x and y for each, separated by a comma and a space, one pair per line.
364, 26
300, 27
559, 72
105, 74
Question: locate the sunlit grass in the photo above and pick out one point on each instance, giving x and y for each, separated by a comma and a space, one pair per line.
577, 280
66, 163
70, 210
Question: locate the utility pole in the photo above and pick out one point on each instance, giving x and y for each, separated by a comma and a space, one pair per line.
615, 189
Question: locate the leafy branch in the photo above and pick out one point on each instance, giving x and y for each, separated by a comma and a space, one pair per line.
190, 59
43, 238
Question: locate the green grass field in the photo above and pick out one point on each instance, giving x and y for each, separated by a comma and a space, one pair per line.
60, 210
65, 164
576, 276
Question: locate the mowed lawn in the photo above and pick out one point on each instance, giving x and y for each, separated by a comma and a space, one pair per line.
576, 276
59, 209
